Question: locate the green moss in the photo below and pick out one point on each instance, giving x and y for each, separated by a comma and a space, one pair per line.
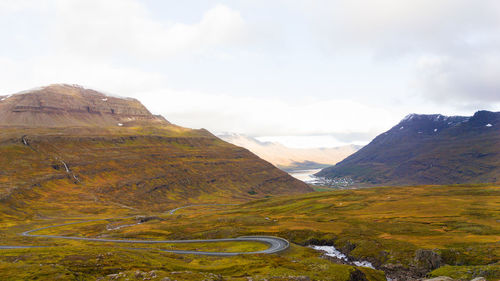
490, 272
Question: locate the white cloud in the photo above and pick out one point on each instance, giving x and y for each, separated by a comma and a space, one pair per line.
13, 6
267, 116
465, 80
125, 27
18, 75
205, 69
314, 141
453, 45
394, 27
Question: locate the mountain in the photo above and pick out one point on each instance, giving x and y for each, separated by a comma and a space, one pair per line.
290, 159
64, 147
428, 149
62, 105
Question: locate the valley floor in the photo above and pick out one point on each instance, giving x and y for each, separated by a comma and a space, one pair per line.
405, 232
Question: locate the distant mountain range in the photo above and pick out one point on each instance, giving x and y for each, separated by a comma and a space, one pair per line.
427, 149
65, 147
291, 159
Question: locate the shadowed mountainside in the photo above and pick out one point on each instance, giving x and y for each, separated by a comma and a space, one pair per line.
69, 148
428, 149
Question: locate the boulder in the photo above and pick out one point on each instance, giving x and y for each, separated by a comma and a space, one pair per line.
427, 260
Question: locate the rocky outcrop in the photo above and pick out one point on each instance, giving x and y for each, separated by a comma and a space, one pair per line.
357, 275
440, 278
427, 260
446, 278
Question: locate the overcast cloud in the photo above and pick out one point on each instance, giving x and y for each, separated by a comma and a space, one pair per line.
456, 43
307, 72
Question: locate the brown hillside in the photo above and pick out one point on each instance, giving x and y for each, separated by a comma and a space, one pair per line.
63, 105
150, 164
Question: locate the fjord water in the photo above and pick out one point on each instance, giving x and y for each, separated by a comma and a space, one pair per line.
306, 176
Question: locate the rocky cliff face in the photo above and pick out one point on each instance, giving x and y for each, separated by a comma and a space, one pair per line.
63, 105
428, 149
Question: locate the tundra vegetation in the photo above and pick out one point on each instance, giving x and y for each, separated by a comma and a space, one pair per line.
71, 155
405, 231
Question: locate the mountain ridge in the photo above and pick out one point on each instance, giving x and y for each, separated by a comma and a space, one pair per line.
428, 149
65, 156
287, 158
62, 105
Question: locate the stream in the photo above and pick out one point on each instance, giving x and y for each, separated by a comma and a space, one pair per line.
332, 252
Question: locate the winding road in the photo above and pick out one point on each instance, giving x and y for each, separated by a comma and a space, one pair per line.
276, 244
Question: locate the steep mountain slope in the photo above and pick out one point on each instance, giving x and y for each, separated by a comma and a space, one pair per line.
66, 146
62, 105
428, 149
288, 158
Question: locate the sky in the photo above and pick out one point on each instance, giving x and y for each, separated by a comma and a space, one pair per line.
305, 73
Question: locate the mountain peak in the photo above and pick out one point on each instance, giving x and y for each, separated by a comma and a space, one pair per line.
428, 149
433, 118
484, 118
63, 105
433, 123
424, 124
68, 90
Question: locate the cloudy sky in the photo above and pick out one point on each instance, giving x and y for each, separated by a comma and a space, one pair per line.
306, 73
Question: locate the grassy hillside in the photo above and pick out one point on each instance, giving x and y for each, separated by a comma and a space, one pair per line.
148, 168
408, 232
72, 149
398, 229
